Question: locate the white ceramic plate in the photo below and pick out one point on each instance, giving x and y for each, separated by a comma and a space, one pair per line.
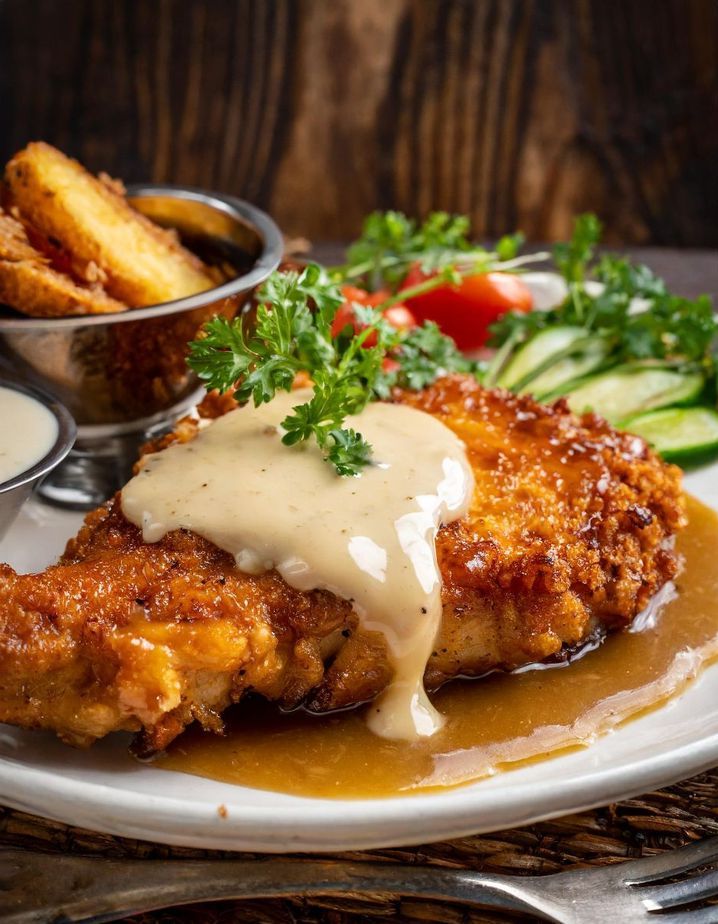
104, 789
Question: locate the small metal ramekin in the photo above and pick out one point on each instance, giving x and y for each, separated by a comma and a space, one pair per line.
14, 493
123, 376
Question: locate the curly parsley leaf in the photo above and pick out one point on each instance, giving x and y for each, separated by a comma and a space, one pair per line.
425, 353
348, 451
222, 355
338, 392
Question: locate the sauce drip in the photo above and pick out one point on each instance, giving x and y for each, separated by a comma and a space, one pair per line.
27, 434
492, 724
369, 539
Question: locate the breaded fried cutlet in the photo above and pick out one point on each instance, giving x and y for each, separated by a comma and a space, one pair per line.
88, 224
569, 533
30, 284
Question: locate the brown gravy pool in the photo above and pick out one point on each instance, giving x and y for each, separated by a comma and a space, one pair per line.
492, 724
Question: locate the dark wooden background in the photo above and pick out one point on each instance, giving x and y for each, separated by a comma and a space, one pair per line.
519, 112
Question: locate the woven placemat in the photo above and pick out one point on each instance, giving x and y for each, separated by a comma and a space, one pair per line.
634, 828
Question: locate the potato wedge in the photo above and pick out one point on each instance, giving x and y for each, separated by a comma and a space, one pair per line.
29, 283
90, 224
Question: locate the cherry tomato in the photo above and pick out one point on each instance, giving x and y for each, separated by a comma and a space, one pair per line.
398, 316
344, 318
465, 312
390, 365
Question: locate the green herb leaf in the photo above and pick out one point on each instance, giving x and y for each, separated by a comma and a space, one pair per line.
572, 258
508, 247
349, 452
635, 279
425, 354
222, 355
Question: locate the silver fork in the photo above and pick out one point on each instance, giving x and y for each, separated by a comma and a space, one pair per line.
41, 887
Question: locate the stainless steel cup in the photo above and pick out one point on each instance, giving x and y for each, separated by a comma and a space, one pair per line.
123, 376
15, 491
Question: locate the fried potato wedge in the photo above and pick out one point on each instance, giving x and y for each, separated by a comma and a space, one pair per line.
31, 285
90, 224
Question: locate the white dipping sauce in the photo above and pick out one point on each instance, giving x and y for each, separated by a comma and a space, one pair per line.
368, 539
28, 431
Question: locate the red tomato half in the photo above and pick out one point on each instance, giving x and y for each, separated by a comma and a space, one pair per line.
390, 365
398, 316
465, 312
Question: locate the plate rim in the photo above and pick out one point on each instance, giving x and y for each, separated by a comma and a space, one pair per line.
452, 814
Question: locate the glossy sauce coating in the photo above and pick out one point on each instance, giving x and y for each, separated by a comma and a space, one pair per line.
492, 724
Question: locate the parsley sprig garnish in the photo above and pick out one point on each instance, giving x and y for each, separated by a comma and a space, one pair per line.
292, 334
292, 331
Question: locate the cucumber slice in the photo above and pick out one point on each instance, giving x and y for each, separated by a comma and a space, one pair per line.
628, 390
499, 361
568, 369
688, 435
534, 355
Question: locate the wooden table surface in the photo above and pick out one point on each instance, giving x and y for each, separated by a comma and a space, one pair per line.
519, 113
633, 828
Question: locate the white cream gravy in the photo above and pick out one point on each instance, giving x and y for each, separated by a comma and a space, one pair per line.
368, 539
28, 431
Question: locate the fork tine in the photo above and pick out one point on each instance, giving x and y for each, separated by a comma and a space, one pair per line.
681, 893
671, 863
696, 916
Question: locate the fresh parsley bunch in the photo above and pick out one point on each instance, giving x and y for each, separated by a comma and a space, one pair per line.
664, 326
292, 334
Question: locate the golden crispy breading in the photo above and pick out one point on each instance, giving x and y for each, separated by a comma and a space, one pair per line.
568, 532
30, 284
88, 224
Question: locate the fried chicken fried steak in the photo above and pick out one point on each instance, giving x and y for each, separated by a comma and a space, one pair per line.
569, 534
